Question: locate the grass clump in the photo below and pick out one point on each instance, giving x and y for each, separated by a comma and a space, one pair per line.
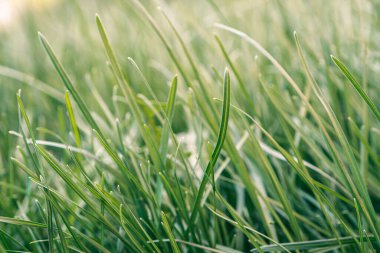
128, 136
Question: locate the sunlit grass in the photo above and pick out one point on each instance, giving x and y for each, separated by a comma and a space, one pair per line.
198, 126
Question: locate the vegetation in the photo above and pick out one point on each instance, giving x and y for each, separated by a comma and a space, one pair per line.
198, 126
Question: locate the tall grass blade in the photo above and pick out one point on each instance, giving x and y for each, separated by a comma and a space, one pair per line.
72, 119
68, 83
165, 132
208, 174
357, 86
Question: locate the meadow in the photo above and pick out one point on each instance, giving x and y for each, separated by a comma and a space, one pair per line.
190, 126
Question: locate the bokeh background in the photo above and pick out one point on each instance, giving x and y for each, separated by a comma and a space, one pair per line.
332, 27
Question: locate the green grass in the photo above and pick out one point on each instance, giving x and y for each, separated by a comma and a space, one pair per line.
198, 126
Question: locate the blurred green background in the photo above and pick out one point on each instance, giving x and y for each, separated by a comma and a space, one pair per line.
328, 27
346, 30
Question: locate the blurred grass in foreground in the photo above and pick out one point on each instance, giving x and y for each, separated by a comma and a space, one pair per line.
128, 135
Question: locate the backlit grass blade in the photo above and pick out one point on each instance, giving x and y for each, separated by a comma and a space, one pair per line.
357, 86
69, 85
72, 119
35, 160
130, 96
169, 115
367, 207
220, 141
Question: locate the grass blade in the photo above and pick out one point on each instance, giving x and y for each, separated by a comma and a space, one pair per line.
72, 119
215, 154
69, 85
50, 226
20, 222
315, 244
357, 86
167, 228
165, 133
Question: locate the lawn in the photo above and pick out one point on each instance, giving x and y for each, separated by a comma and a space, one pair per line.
189, 126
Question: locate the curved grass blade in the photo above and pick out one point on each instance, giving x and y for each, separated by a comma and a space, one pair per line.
214, 157
357, 86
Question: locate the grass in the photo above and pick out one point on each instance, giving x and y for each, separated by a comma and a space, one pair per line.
198, 126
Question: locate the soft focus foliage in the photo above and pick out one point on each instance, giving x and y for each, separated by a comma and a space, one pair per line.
129, 136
